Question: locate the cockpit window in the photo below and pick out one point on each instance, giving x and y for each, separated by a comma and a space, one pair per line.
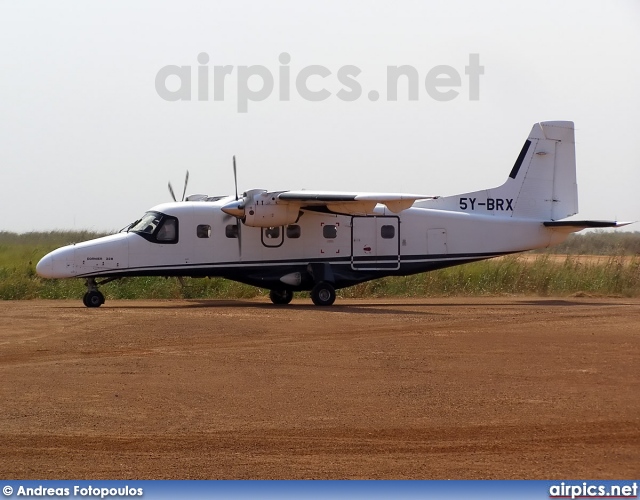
157, 228
168, 230
148, 224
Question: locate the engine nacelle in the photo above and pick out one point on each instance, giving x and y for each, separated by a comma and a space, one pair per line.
262, 210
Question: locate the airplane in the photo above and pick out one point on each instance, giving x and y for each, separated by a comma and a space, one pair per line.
321, 241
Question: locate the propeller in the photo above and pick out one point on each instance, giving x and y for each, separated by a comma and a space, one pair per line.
235, 176
238, 220
184, 191
186, 181
239, 226
236, 208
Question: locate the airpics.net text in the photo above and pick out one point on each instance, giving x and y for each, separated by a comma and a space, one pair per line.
256, 83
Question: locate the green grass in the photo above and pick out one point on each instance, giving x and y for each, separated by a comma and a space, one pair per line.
598, 243
513, 276
617, 275
19, 254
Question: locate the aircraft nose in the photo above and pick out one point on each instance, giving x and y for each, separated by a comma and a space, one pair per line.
57, 264
44, 268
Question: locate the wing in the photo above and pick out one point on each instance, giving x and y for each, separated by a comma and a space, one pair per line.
350, 203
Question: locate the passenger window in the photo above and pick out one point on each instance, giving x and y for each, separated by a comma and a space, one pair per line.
168, 232
272, 232
329, 231
293, 231
231, 231
203, 231
272, 237
388, 232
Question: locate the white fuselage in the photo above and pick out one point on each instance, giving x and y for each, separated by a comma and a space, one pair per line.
388, 243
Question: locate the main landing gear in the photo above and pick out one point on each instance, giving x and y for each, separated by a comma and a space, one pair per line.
322, 294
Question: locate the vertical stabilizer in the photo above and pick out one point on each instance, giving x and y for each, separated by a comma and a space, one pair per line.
546, 178
541, 184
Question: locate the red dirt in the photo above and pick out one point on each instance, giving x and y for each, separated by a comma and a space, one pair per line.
386, 388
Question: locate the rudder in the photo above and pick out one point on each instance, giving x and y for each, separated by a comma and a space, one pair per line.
541, 184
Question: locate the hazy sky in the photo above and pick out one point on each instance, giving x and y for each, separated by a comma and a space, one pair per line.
86, 142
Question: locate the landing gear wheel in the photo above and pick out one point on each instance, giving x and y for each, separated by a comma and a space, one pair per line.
323, 294
93, 299
281, 297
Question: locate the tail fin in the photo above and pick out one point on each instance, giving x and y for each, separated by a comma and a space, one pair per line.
541, 184
544, 175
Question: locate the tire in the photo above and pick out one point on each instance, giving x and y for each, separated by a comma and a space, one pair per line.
93, 299
323, 294
281, 297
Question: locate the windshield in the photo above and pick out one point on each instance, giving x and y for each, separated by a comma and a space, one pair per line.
148, 223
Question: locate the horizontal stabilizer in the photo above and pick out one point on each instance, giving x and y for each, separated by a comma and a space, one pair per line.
585, 224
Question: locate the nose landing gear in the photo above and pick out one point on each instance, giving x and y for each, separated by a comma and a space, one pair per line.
94, 297
281, 297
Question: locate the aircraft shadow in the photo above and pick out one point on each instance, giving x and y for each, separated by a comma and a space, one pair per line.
364, 308
334, 309
242, 304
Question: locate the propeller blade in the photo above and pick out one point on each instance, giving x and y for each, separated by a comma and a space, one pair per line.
239, 224
172, 193
235, 176
186, 181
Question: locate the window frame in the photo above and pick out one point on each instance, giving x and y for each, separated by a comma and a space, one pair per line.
231, 231
165, 220
162, 220
334, 228
207, 233
265, 240
294, 231
384, 236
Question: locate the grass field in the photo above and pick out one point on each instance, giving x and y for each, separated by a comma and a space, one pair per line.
617, 274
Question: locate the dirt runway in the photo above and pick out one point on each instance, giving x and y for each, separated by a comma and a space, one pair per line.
380, 388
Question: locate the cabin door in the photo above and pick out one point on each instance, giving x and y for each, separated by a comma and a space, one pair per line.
375, 243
